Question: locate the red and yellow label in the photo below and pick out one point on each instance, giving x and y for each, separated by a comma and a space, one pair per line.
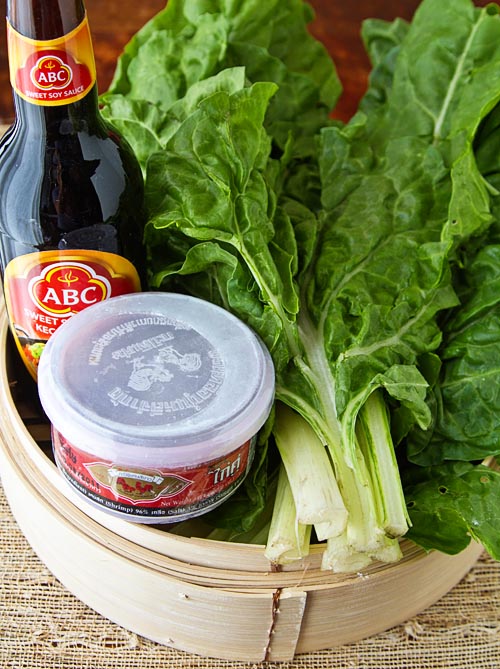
164, 494
42, 290
52, 72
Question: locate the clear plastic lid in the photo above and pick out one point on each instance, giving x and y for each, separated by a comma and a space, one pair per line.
156, 378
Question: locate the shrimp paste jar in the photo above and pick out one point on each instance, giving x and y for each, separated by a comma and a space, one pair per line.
155, 401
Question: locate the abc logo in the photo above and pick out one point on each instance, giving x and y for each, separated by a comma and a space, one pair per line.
50, 72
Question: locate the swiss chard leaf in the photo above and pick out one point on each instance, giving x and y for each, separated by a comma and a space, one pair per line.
382, 42
209, 185
467, 396
188, 42
382, 274
184, 42
454, 503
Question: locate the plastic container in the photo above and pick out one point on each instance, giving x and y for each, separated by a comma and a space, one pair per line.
155, 400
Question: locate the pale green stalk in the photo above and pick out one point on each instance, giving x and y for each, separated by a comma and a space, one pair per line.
374, 438
314, 487
288, 540
340, 557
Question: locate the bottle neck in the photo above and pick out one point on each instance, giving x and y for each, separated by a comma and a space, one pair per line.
81, 116
45, 19
51, 60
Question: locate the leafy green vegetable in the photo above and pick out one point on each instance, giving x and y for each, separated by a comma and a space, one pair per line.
466, 399
455, 504
175, 55
349, 248
373, 434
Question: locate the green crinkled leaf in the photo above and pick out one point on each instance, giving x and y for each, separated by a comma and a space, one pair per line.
382, 40
208, 162
139, 121
382, 275
208, 185
229, 80
454, 504
376, 311
296, 109
188, 42
467, 396
182, 44
149, 127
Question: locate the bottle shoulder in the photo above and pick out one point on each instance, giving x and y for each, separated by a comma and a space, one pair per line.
64, 139
66, 179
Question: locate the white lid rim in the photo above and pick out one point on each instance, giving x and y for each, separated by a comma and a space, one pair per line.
83, 430
195, 450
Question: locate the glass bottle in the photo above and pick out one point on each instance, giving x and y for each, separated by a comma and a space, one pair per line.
71, 190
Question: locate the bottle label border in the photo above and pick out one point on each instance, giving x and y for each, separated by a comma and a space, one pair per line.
70, 280
69, 60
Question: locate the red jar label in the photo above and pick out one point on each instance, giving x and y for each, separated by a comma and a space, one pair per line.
42, 290
52, 72
173, 492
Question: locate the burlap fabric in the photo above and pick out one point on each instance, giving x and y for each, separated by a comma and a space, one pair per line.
43, 626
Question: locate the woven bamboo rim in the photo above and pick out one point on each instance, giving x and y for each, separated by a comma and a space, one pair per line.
245, 610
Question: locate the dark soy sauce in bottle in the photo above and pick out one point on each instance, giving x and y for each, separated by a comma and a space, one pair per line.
71, 190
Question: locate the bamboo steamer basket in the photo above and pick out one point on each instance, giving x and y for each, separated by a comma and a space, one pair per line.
206, 597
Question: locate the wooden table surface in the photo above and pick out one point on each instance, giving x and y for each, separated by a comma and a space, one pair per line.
337, 25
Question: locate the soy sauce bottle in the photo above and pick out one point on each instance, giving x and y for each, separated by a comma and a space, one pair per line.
71, 190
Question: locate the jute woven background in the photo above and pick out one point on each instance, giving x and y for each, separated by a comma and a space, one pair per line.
43, 626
